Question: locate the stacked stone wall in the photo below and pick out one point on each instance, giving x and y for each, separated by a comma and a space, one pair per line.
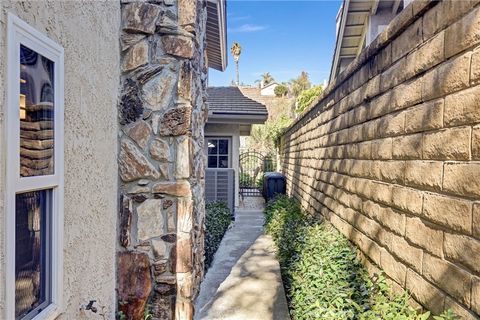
390, 154
162, 114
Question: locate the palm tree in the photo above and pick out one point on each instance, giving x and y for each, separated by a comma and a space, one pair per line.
300, 84
267, 78
236, 51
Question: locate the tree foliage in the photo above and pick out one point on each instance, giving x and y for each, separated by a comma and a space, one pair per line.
300, 84
267, 78
281, 90
306, 98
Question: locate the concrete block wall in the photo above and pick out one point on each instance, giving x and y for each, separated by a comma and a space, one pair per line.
390, 154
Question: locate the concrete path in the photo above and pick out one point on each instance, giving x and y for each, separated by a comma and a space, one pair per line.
244, 282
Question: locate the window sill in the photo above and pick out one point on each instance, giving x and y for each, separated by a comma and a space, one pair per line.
49, 313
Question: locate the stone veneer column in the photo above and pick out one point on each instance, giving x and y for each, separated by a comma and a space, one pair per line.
161, 165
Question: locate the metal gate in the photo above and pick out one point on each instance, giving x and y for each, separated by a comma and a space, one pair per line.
252, 166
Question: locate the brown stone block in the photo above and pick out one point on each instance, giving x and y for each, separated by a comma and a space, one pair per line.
463, 250
382, 149
476, 143
407, 253
185, 285
140, 17
391, 219
177, 188
426, 116
391, 125
406, 199
394, 269
462, 178
423, 235
427, 55
151, 222
184, 310
460, 311
463, 34
447, 144
184, 261
476, 294
444, 14
125, 220
406, 94
425, 293
408, 40
476, 220
176, 122
134, 283
162, 307
139, 132
426, 174
388, 171
179, 46
136, 56
475, 68
447, 211
407, 147
450, 76
187, 12
393, 75
462, 107
133, 164
448, 277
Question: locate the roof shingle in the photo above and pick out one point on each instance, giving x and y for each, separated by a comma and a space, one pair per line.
230, 100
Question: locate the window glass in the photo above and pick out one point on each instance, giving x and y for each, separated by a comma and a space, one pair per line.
223, 146
218, 153
212, 161
32, 212
212, 146
223, 162
36, 114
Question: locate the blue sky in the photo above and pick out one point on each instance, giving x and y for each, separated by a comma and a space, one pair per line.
280, 37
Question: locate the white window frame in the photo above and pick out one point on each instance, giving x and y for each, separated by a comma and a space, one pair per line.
207, 138
20, 33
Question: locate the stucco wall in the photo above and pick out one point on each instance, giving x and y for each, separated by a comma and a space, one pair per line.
89, 33
232, 131
390, 154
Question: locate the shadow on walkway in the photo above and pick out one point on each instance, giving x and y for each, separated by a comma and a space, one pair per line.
244, 281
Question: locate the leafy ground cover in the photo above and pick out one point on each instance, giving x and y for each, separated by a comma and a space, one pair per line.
322, 274
217, 219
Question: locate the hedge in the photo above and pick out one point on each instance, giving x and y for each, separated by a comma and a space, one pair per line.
323, 277
217, 220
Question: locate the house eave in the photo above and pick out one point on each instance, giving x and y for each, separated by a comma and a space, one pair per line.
237, 118
217, 34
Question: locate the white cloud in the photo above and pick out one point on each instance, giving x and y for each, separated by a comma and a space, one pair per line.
247, 28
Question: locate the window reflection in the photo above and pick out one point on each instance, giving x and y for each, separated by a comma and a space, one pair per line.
36, 114
218, 153
31, 250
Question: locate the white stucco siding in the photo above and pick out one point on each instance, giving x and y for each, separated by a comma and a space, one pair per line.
89, 33
232, 131
269, 91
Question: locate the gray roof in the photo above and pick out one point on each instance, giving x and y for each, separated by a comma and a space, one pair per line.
231, 101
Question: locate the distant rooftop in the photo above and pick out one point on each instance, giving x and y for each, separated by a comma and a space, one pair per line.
231, 101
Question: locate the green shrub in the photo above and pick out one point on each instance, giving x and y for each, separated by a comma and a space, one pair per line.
217, 220
307, 97
280, 90
322, 275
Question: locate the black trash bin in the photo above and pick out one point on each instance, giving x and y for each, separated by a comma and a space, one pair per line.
273, 183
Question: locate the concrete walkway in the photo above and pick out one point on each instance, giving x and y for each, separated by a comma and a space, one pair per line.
244, 282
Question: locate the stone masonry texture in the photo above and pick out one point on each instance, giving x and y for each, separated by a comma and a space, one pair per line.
390, 154
162, 113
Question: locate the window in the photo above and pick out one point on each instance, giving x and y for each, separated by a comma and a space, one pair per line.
218, 153
34, 205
